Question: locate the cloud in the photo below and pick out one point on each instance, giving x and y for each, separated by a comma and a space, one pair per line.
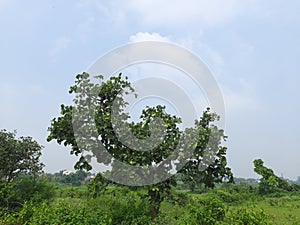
237, 99
59, 45
183, 81
145, 36
176, 12
212, 57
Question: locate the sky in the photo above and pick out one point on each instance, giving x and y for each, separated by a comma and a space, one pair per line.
252, 48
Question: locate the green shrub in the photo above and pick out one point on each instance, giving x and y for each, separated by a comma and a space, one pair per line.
63, 212
72, 192
200, 209
124, 209
181, 199
207, 210
13, 195
248, 216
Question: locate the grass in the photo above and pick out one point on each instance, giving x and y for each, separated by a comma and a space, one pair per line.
117, 204
283, 210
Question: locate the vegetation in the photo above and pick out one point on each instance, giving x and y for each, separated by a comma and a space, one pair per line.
19, 167
270, 183
191, 196
18, 156
204, 138
225, 204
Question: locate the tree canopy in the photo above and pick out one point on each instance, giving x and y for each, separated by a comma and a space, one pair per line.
87, 127
269, 182
18, 156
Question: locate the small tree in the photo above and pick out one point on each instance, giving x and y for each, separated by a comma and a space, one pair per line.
269, 182
18, 156
203, 137
19, 165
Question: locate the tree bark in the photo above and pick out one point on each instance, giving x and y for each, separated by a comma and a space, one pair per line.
155, 211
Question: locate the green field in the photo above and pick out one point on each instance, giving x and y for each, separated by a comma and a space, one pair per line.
230, 204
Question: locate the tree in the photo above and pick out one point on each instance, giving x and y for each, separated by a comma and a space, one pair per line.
18, 156
269, 182
97, 186
75, 179
19, 165
208, 153
206, 165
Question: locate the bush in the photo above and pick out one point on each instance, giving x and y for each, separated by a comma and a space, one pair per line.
212, 210
130, 208
247, 216
236, 193
72, 192
26, 188
107, 209
63, 212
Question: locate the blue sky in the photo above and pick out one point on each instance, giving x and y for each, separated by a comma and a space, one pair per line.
252, 47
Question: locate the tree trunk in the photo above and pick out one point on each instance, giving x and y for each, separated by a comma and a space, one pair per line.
155, 200
155, 211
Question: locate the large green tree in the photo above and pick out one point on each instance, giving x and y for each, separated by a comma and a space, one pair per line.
92, 116
18, 156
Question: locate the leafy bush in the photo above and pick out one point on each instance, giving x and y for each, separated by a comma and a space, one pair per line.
120, 205
26, 188
247, 216
124, 209
212, 211
132, 208
203, 210
62, 212
232, 195
71, 192
181, 199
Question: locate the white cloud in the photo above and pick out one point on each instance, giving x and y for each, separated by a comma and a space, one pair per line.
213, 58
176, 12
236, 100
145, 36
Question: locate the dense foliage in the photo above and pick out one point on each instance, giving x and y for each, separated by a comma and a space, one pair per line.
92, 116
29, 196
19, 169
18, 156
269, 182
226, 204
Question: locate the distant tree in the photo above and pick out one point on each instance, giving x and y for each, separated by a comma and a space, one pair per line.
19, 168
269, 182
103, 96
75, 179
97, 186
18, 156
